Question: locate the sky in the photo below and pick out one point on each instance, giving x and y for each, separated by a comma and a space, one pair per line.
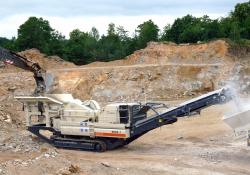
66, 15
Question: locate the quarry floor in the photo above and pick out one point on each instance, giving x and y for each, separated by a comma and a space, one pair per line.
196, 145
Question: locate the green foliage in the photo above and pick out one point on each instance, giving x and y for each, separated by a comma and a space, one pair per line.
116, 45
4, 42
147, 31
241, 12
8, 43
37, 33
189, 29
110, 46
86, 47
241, 15
174, 32
81, 47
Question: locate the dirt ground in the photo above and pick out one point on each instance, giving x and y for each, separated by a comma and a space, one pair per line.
196, 145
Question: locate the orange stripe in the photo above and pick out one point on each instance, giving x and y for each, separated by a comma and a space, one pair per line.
105, 134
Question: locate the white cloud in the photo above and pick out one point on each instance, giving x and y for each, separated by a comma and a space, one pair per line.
66, 15
68, 8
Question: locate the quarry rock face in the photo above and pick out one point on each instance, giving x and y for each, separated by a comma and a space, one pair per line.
161, 71
159, 82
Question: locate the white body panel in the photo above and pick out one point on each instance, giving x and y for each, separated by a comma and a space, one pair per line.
73, 117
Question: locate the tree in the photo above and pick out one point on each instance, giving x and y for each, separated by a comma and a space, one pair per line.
110, 46
246, 28
147, 31
192, 34
178, 27
111, 29
189, 29
37, 33
166, 36
241, 18
234, 31
81, 47
8, 43
212, 30
122, 33
128, 43
56, 44
4, 41
241, 11
94, 33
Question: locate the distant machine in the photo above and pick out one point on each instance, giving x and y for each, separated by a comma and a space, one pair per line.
240, 122
77, 124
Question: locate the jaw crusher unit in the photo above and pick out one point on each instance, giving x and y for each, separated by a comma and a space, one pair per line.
84, 125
